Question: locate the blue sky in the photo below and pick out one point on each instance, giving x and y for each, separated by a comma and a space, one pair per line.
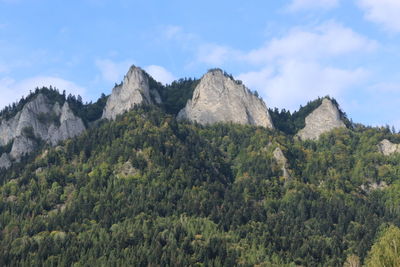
289, 51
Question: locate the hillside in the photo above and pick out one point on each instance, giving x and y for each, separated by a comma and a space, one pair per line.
147, 189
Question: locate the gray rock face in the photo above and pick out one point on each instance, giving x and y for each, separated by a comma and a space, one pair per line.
28, 117
282, 161
134, 90
387, 148
323, 119
40, 119
218, 98
70, 126
22, 146
5, 161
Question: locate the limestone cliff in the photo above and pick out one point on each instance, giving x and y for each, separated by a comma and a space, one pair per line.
133, 90
282, 161
70, 126
5, 161
38, 119
22, 146
387, 148
323, 119
219, 98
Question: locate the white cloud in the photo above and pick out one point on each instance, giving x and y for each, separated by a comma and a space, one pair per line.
216, 54
297, 5
290, 83
295, 68
113, 71
328, 40
160, 74
11, 90
174, 32
384, 12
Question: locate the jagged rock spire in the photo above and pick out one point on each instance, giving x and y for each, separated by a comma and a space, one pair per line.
133, 90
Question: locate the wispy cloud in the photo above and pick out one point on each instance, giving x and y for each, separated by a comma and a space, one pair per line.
327, 40
383, 12
112, 71
289, 83
160, 74
12, 90
174, 32
216, 55
295, 67
298, 5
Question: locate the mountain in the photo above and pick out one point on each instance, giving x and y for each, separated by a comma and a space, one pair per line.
41, 119
219, 98
323, 119
144, 188
134, 90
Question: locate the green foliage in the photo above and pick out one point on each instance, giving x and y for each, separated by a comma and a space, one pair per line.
386, 250
49, 118
196, 195
28, 132
176, 94
88, 112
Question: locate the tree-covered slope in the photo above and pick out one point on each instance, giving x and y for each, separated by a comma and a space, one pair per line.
148, 190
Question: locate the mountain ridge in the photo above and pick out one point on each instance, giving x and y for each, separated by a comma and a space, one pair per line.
224, 100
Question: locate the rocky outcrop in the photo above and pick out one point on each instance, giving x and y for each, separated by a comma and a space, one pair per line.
282, 161
5, 161
373, 186
387, 148
39, 119
219, 98
134, 90
22, 146
29, 117
70, 126
323, 119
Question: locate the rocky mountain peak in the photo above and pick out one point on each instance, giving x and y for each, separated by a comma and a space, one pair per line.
323, 119
133, 90
219, 98
38, 119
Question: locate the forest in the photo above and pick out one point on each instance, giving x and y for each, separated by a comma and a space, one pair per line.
148, 190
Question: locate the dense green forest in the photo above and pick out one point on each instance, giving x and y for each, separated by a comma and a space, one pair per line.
147, 190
